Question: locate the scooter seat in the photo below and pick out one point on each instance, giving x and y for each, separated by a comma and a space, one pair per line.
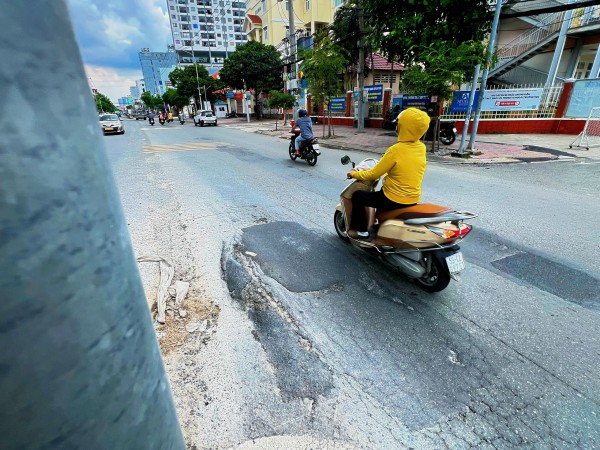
419, 211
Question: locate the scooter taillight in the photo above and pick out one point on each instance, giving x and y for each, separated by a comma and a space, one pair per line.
451, 234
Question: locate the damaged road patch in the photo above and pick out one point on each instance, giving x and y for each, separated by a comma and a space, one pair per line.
299, 371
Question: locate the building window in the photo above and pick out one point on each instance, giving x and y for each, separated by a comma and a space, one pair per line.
381, 78
176, 33
178, 42
175, 25
307, 5
173, 16
172, 8
266, 31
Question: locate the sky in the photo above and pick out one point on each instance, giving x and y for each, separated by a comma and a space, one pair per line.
111, 33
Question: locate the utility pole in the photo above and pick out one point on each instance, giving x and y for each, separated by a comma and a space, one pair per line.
246, 100
293, 56
80, 363
484, 77
361, 69
194, 56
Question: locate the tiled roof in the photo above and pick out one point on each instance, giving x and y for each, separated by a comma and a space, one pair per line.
255, 19
378, 62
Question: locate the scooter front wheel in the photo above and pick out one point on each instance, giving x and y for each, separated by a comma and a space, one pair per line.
438, 277
292, 151
340, 226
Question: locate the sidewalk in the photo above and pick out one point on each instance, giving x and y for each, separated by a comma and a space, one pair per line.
490, 148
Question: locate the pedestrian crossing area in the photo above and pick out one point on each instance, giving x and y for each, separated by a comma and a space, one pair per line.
184, 147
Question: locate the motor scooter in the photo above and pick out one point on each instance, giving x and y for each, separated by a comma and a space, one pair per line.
161, 120
181, 120
151, 121
419, 241
309, 150
447, 132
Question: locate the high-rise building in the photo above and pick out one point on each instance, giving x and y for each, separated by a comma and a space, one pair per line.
206, 30
153, 65
141, 87
135, 94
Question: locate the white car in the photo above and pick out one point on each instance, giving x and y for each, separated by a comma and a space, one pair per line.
205, 117
111, 123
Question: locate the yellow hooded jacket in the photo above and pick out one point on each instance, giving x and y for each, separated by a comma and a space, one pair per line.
404, 162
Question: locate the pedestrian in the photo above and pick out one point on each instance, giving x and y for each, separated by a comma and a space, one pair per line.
403, 165
306, 130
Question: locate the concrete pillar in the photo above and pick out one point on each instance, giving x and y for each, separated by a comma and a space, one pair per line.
349, 104
80, 365
563, 101
560, 46
387, 101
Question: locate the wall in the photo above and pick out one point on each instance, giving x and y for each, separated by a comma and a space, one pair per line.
527, 126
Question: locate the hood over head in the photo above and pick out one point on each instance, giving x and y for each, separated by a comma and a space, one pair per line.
412, 124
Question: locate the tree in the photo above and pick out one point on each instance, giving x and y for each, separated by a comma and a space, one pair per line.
103, 103
254, 66
185, 81
323, 67
174, 99
147, 100
280, 100
404, 28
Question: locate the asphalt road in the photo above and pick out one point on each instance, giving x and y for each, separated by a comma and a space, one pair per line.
318, 341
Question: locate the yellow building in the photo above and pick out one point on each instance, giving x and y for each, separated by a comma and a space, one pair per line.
267, 21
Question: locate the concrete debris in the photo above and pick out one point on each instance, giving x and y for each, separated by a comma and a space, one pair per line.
166, 275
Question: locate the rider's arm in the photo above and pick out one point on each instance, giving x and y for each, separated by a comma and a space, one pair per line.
384, 165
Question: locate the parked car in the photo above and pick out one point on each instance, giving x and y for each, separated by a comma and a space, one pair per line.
140, 115
205, 117
111, 123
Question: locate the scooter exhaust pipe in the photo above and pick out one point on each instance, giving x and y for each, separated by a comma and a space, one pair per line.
408, 267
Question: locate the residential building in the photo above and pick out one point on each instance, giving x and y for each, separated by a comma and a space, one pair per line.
547, 48
378, 71
206, 31
155, 68
267, 21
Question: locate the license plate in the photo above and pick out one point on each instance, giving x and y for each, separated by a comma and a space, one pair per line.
108, 129
316, 146
456, 263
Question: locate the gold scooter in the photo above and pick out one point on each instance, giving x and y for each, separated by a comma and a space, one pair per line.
420, 241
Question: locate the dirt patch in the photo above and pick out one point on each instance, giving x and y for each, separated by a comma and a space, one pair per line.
195, 315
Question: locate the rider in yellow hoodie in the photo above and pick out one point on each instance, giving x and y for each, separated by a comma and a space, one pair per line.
404, 166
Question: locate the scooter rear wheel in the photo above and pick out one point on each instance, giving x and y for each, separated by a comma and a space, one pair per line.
340, 226
447, 137
438, 277
311, 159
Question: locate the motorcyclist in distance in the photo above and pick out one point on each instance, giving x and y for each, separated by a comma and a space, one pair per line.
403, 165
306, 131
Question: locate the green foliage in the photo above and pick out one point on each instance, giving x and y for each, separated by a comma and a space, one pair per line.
278, 99
402, 27
157, 102
323, 67
147, 100
345, 31
438, 41
256, 64
441, 68
174, 99
186, 84
103, 103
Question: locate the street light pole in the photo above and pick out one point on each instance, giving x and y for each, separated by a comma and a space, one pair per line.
193, 55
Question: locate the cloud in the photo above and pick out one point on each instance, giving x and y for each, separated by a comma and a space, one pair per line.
113, 83
110, 33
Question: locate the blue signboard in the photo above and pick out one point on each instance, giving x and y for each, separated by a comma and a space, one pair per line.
415, 101
460, 101
374, 92
229, 94
337, 104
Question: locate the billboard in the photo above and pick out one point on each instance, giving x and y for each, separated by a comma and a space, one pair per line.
460, 101
511, 99
374, 92
337, 104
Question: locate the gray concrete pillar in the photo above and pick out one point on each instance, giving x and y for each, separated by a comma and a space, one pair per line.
80, 366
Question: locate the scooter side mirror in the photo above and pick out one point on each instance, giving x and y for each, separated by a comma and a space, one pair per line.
346, 160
